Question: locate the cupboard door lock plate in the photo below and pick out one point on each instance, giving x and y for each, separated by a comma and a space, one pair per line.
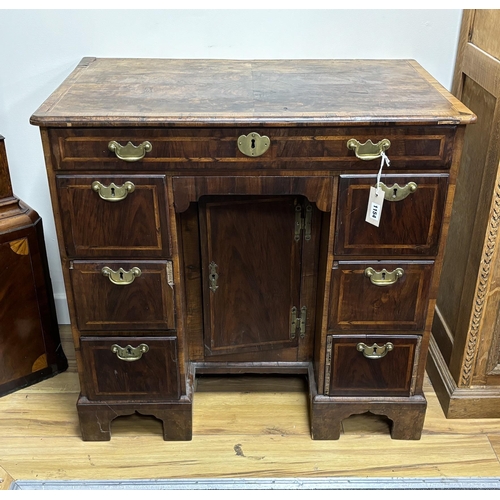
298, 323
303, 223
213, 276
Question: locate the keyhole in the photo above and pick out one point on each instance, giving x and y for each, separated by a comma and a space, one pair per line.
383, 276
121, 275
253, 144
129, 349
395, 192
112, 191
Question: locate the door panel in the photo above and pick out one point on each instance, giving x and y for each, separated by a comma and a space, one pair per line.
252, 243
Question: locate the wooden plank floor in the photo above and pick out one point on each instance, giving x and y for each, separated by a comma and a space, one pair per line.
237, 432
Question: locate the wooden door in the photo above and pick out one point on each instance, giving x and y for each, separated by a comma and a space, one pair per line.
467, 324
251, 265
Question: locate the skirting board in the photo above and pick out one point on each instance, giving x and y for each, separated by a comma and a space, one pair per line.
486, 483
459, 402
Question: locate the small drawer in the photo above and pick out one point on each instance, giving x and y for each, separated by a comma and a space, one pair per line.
371, 365
379, 295
123, 295
296, 148
114, 215
126, 368
411, 219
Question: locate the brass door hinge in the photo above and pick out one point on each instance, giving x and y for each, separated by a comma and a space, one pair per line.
298, 323
303, 223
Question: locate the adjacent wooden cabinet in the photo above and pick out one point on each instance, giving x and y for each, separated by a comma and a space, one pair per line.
464, 361
211, 219
30, 346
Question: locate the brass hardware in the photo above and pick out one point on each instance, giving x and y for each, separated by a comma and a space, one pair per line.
293, 322
307, 223
384, 277
130, 152
213, 276
303, 222
375, 351
302, 321
298, 323
396, 192
328, 364
113, 192
368, 150
299, 221
129, 353
253, 144
121, 277
170, 274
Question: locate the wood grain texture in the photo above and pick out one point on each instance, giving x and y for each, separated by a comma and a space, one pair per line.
353, 374
192, 112
135, 226
257, 288
356, 304
207, 149
407, 227
5, 183
29, 337
145, 304
251, 92
466, 361
5, 479
237, 433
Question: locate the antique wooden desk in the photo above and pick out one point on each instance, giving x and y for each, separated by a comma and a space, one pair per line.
211, 219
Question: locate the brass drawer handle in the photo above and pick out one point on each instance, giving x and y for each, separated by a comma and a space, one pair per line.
121, 277
384, 277
113, 192
368, 150
253, 144
396, 192
129, 353
375, 351
130, 152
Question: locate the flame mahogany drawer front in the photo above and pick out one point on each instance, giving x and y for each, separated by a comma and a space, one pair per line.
123, 295
371, 365
379, 295
114, 215
411, 218
126, 367
289, 148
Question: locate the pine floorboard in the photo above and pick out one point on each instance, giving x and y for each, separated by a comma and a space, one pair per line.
243, 427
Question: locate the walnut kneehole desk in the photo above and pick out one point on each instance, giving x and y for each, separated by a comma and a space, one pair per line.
211, 219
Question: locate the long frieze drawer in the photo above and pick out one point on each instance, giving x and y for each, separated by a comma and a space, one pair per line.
130, 368
381, 295
123, 295
281, 148
114, 215
412, 213
371, 365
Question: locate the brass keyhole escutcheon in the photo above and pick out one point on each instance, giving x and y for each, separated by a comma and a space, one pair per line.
113, 192
375, 351
253, 144
129, 353
384, 277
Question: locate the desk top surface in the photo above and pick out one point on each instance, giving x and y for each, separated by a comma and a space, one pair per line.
198, 92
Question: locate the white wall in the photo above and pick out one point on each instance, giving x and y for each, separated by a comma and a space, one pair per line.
39, 48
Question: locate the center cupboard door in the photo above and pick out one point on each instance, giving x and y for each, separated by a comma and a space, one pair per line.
251, 261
